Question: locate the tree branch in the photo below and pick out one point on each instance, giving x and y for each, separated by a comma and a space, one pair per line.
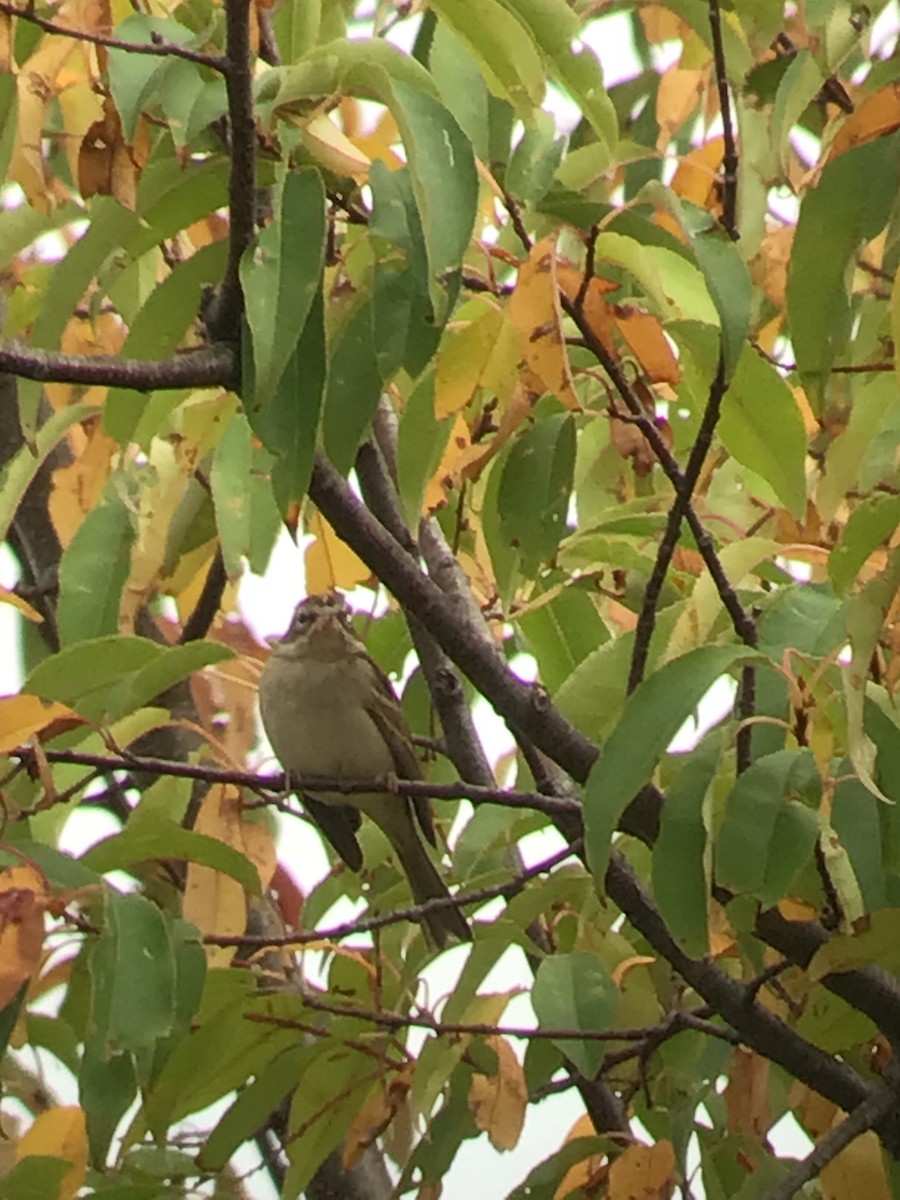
206, 367
162, 49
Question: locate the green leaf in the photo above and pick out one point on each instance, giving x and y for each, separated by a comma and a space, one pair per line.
800, 84
149, 835
354, 388
158, 328
106, 1090
856, 819
280, 277
767, 835
503, 47
871, 524
288, 425
850, 205
94, 569
543, 1181
463, 88
190, 102
135, 78
132, 975
329, 1096
404, 326
35, 1177
534, 492
575, 991
21, 469
445, 185
680, 886
359, 68
108, 677
421, 439
229, 480
254, 1104
562, 631
556, 28
676, 287
762, 427
653, 714
727, 279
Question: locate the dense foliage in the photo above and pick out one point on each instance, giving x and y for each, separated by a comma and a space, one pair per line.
603, 374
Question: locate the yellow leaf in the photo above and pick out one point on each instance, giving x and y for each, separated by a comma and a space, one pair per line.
535, 312
747, 1094
590, 1171
24, 895
23, 716
332, 148
330, 563
857, 1171
59, 1133
463, 357
645, 1171
157, 504
214, 901
36, 86
499, 1101
448, 471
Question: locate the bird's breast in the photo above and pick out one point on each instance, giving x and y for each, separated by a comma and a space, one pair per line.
315, 716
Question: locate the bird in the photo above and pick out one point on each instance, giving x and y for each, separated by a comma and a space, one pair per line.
328, 709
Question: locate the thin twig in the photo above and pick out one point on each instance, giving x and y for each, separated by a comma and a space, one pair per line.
160, 49
242, 161
424, 1020
729, 157
551, 805
414, 913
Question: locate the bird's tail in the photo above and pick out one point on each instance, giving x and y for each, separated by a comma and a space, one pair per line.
442, 925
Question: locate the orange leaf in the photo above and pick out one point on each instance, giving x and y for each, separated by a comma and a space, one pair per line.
643, 333
676, 100
534, 310
596, 310
698, 173
879, 114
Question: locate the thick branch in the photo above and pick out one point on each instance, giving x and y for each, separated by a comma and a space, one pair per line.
208, 367
524, 707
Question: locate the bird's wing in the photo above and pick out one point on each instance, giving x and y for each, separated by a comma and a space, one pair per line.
339, 823
387, 715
